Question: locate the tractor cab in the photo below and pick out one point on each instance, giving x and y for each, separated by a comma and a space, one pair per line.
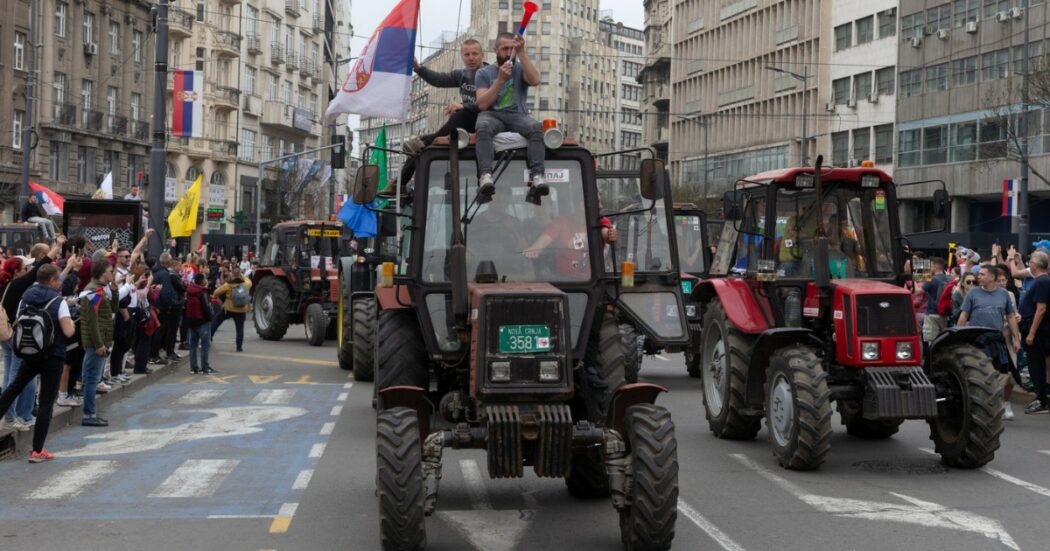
19, 236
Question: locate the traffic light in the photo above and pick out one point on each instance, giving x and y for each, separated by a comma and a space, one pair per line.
339, 153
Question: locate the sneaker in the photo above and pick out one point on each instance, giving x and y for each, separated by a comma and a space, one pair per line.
68, 401
1036, 407
195, 371
94, 422
1008, 412
157, 361
413, 145
103, 388
486, 179
28, 424
538, 180
123, 378
175, 356
40, 456
13, 424
208, 371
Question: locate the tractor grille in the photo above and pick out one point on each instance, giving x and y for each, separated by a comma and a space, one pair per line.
528, 310
885, 316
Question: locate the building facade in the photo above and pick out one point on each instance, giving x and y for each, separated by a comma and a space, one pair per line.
629, 43
14, 35
655, 76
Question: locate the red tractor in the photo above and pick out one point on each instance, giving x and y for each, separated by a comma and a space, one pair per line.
806, 306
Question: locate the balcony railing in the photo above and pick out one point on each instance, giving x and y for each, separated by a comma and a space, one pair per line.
93, 120
318, 23
65, 114
276, 53
292, 62
228, 42
118, 124
180, 21
291, 7
254, 43
226, 96
140, 130
305, 66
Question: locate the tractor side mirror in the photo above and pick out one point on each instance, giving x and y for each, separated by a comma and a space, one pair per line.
653, 179
366, 184
732, 207
941, 204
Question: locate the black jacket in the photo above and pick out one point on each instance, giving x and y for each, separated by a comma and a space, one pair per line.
461, 78
30, 210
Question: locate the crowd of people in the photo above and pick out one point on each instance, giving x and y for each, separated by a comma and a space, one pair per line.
1004, 293
112, 312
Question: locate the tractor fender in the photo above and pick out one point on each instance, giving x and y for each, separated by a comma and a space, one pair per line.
767, 343
953, 336
627, 396
737, 299
263, 273
413, 398
393, 298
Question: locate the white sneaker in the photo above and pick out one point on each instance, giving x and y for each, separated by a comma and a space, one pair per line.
485, 179
538, 180
28, 424
1008, 412
67, 401
103, 388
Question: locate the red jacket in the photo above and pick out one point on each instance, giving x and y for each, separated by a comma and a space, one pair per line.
193, 304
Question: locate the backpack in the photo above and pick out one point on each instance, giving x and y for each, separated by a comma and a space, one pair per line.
944, 302
240, 296
34, 331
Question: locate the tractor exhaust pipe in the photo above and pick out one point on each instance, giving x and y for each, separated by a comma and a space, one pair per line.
458, 248
821, 272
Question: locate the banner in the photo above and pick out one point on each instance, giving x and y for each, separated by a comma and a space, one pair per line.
183, 218
187, 105
105, 189
1011, 201
380, 81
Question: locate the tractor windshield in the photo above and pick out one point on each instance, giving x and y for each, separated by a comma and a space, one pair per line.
643, 234
523, 241
319, 246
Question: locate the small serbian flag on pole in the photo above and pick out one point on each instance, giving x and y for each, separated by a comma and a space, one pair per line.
187, 105
380, 81
1010, 199
52, 202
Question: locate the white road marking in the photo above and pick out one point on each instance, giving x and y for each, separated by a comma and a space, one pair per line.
342, 396
196, 478
707, 526
348, 386
231, 421
273, 396
479, 498
236, 517
661, 357
198, 397
336, 411
490, 530
317, 450
303, 480
923, 513
1009, 478
288, 510
72, 481
327, 428
1044, 452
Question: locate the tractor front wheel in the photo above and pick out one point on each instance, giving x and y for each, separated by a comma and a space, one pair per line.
316, 324
399, 481
798, 408
967, 428
724, 359
401, 356
632, 362
647, 524
364, 331
271, 309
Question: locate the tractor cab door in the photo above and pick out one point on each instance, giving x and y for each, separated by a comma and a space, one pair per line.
692, 239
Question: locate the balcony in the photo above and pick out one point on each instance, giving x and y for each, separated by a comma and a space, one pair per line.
286, 117
227, 43
176, 144
117, 124
254, 43
199, 148
276, 53
306, 66
93, 120
224, 97
224, 150
291, 63
230, 2
291, 7
318, 23
65, 114
180, 22
140, 130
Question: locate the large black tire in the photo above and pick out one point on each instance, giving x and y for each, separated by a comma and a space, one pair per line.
270, 309
364, 331
401, 355
399, 481
648, 525
316, 324
798, 408
346, 345
602, 374
632, 361
966, 434
724, 359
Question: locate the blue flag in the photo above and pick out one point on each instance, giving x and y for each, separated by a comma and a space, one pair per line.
359, 218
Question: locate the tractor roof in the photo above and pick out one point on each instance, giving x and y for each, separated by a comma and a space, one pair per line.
837, 175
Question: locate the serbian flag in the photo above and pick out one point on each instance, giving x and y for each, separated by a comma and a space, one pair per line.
380, 81
52, 202
187, 104
1010, 199
95, 297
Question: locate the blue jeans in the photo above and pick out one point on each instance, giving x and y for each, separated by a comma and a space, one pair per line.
200, 337
91, 374
27, 399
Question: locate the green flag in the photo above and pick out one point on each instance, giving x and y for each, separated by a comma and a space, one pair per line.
379, 158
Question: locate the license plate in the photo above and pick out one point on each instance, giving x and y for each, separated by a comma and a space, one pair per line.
524, 339
687, 287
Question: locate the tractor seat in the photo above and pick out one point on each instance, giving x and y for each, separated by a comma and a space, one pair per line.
505, 141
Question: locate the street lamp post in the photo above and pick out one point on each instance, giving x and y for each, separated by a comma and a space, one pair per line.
804, 79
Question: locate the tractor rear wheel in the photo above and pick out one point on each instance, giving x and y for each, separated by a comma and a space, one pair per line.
632, 362
346, 345
724, 358
364, 331
316, 324
798, 408
399, 481
270, 309
966, 431
401, 356
648, 523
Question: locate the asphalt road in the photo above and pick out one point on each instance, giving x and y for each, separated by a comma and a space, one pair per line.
276, 452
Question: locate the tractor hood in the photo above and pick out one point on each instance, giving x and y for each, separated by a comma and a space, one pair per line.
874, 324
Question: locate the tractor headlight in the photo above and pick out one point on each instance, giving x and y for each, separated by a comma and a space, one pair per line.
553, 138
869, 351
499, 372
549, 371
905, 351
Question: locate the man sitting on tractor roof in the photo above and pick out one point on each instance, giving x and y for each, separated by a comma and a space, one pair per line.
502, 90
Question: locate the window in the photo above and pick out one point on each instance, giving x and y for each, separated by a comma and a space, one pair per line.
87, 97
286, 92
61, 14
964, 71
251, 21
20, 51
86, 166
884, 81
992, 135
964, 12
840, 148
136, 107
58, 161
136, 165
840, 90
865, 29
114, 37
249, 79
545, 53
862, 85
16, 129
247, 146
911, 25
995, 65
963, 143
289, 41
89, 27
200, 10
935, 145
136, 46
192, 173
937, 77
546, 27
1035, 53
843, 36
887, 23
939, 17
884, 144
991, 7
908, 149
861, 144
199, 64
275, 30
272, 87
59, 86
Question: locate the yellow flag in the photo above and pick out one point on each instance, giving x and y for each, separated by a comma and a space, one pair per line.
183, 218
951, 251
